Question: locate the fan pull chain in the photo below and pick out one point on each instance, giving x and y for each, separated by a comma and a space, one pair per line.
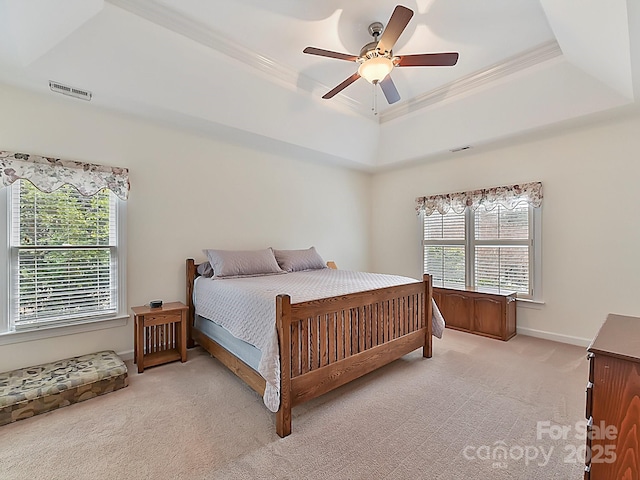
374, 105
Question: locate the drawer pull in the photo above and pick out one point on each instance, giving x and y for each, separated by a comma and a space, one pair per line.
589, 402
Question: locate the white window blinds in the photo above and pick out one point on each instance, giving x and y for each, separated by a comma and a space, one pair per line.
502, 249
444, 249
63, 247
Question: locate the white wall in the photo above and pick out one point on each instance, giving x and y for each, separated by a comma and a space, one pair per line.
187, 193
552, 91
590, 220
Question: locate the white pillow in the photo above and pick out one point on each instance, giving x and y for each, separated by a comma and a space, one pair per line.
298, 260
242, 263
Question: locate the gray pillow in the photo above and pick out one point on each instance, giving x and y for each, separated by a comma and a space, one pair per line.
242, 263
205, 270
298, 260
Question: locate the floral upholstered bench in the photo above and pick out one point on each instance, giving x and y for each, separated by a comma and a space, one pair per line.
33, 390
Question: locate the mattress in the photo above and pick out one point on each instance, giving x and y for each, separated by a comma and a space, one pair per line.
240, 349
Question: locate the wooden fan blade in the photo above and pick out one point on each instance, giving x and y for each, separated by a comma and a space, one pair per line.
330, 54
397, 23
342, 86
389, 89
428, 60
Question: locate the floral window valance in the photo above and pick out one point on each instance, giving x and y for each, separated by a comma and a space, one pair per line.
49, 174
508, 196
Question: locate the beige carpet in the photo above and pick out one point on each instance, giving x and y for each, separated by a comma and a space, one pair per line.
438, 418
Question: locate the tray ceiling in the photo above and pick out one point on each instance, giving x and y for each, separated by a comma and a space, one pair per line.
236, 69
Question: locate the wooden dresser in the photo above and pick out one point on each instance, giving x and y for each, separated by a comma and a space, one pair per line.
613, 401
483, 313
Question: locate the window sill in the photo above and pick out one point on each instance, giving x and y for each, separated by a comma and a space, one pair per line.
528, 303
8, 338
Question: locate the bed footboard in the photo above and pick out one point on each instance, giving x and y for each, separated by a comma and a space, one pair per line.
329, 342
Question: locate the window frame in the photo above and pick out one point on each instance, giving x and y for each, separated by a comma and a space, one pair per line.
534, 241
9, 335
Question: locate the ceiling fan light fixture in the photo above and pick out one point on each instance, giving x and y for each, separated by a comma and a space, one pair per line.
375, 69
376, 59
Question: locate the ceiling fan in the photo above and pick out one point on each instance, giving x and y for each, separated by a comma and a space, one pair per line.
376, 59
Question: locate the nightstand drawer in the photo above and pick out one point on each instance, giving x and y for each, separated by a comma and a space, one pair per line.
161, 319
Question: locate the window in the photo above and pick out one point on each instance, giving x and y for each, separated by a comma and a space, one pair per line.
502, 249
444, 249
66, 258
63, 252
491, 250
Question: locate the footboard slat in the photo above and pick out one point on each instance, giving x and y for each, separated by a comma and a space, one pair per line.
369, 316
394, 318
346, 315
295, 351
304, 346
403, 315
340, 336
331, 328
324, 341
389, 321
362, 329
380, 324
353, 315
314, 361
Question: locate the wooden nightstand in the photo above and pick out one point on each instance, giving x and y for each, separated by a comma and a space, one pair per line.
160, 334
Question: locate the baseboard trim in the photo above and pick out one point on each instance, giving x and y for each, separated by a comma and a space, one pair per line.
126, 355
556, 337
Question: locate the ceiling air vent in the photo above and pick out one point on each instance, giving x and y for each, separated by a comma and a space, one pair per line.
71, 91
459, 149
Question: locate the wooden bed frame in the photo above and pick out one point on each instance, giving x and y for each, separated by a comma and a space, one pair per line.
327, 343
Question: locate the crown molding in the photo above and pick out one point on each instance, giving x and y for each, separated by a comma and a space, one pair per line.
191, 28
462, 86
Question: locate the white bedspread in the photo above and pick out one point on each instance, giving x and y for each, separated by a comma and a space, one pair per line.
246, 307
